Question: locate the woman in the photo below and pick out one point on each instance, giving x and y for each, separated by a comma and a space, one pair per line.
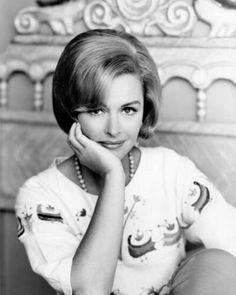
114, 217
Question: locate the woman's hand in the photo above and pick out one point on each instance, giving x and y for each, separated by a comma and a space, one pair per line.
106, 227
91, 154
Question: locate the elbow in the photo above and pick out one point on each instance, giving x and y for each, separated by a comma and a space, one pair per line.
93, 292
86, 285
90, 290
89, 280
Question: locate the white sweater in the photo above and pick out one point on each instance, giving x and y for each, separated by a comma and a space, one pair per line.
168, 201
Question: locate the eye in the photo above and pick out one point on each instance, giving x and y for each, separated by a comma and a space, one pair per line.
96, 112
129, 110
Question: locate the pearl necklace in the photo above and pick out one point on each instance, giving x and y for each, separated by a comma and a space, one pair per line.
80, 176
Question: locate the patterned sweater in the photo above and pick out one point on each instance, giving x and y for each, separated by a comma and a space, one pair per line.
167, 202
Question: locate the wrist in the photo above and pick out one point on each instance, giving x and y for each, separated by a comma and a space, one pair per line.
117, 173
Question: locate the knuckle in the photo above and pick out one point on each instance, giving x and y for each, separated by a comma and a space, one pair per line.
69, 142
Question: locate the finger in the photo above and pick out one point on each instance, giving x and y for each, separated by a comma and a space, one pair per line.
73, 142
84, 140
73, 145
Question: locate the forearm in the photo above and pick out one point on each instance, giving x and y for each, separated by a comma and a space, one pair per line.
96, 258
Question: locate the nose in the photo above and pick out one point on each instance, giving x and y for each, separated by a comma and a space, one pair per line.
113, 125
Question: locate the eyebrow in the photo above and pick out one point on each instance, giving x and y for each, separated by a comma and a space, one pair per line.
84, 109
126, 104
132, 102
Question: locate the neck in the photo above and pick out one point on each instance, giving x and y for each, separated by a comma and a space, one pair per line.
94, 181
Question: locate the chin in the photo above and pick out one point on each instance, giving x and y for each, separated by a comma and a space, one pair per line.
119, 154
122, 154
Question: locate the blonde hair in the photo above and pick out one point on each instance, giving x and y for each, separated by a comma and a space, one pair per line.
92, 59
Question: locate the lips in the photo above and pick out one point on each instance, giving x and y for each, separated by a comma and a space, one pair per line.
112, 145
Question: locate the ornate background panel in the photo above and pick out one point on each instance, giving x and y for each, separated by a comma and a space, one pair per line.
192, 41
194, 46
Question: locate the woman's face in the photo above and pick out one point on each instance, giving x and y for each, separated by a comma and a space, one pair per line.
116, 124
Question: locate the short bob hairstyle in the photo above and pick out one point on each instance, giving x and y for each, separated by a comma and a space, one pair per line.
88, 64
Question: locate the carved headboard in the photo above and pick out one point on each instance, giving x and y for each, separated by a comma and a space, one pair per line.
191, 41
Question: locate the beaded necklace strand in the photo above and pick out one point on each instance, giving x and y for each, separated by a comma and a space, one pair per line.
80, 176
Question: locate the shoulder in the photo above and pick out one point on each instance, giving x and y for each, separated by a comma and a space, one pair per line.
43, 178
49, 176
166, 160
40, 187
162, 153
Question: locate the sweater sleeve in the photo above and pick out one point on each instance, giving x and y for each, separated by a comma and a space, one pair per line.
206, 215
49, 240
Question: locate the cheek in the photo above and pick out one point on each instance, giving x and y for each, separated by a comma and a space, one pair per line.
90, 129
135, 127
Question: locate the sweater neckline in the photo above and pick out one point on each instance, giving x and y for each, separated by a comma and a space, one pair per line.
131, 183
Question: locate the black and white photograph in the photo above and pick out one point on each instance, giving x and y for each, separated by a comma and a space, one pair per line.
117, 147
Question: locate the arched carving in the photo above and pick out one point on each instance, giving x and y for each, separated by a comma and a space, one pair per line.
60, 18
156, 22
219, 14
143, 17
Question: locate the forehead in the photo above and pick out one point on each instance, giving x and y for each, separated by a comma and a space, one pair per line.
123, 89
